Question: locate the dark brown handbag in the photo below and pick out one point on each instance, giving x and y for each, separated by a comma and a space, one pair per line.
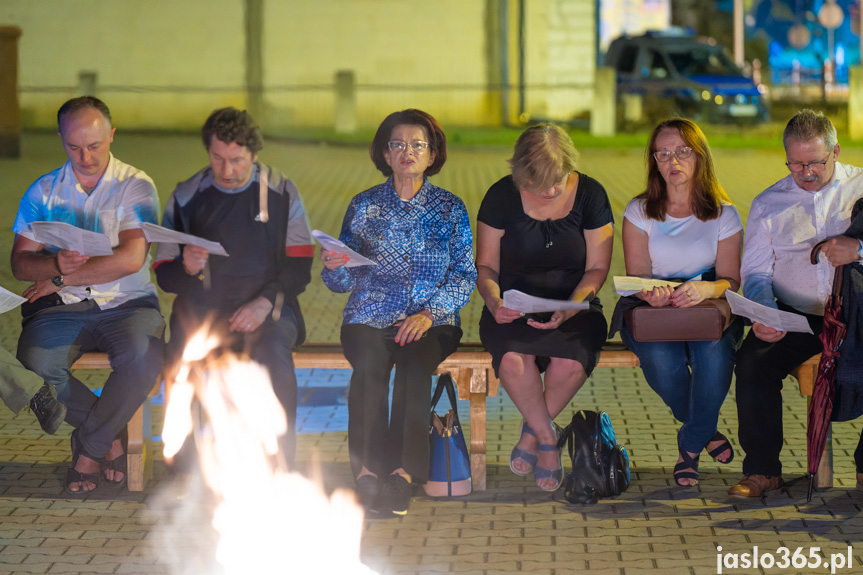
704, 321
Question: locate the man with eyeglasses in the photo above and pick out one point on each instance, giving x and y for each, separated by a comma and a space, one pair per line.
811, 204
249, 297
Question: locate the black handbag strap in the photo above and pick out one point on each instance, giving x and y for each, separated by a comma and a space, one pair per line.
445, 382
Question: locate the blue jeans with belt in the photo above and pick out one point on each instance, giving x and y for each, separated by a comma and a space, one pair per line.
132, 334
692, 378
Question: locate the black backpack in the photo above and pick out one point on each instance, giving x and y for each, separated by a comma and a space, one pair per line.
600, 467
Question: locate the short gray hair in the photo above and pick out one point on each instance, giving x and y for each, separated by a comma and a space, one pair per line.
808, 125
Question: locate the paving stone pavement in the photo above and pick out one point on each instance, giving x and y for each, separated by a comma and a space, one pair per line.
655, 527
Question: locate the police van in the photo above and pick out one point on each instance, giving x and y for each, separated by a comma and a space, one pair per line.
679, 73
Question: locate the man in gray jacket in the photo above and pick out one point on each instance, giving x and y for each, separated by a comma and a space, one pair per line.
250, 296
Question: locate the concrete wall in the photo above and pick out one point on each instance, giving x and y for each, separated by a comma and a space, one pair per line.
159, 63
428, 55
561, 58
165, 64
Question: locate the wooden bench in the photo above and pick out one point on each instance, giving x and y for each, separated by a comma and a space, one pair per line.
471, 369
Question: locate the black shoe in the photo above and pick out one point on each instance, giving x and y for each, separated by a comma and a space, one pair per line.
397, 494
48, 410
367, 493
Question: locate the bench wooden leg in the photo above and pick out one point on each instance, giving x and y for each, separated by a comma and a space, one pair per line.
477, 441
139, 458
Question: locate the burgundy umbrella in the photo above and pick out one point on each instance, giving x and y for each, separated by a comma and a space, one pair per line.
821, 405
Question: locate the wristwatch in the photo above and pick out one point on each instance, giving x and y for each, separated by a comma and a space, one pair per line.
860, 251
57, 281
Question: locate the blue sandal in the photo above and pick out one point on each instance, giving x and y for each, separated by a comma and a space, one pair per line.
689, 463
518, 453
553, 473
725, 446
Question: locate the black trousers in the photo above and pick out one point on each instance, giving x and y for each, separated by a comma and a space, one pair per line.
270, 345
380, 438
761, 367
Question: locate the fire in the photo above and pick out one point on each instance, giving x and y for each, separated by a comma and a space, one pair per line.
269, 520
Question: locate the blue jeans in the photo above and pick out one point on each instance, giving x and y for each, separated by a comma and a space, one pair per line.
132, 335
692, 378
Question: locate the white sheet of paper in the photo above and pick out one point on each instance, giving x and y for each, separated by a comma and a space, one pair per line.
9, 300
514, 299
628, 285
335, 245
159, 234
68, 237
777, 319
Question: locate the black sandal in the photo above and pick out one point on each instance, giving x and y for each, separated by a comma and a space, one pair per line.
689, 463
119, 463
724, 446
75, 476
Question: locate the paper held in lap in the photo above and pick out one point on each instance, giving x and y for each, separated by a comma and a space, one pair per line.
514, 299
777, 319
629, 285
9, 300
158, 234
334, 245
68, 237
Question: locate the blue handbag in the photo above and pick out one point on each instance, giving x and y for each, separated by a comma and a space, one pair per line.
449, 469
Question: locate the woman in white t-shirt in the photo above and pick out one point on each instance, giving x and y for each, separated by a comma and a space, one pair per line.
683, 226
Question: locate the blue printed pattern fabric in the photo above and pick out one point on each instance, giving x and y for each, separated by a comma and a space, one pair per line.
424, 251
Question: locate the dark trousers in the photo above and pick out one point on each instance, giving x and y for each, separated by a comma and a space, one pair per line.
383, 439
132, 335
270, 345
761, 367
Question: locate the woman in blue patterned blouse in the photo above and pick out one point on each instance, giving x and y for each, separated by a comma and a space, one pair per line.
402, 311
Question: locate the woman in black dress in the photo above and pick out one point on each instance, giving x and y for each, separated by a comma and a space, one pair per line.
545, 230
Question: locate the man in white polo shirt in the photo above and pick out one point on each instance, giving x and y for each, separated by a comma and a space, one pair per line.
79, 303
810, 204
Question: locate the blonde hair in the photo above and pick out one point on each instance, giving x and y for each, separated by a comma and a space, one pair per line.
543, 155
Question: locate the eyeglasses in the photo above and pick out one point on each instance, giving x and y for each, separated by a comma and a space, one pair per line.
809, 166
417, 146
681, 153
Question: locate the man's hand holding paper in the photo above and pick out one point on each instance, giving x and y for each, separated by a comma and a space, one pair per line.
780, 321
158, 234
68, 237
